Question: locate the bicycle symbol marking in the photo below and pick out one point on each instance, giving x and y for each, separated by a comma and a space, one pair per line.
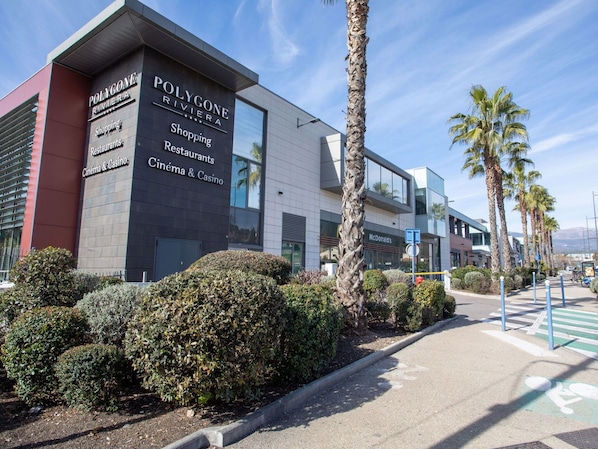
561, 396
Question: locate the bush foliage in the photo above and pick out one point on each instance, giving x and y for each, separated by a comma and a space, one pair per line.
90, 376
200, 336
42, 278
397, 276
109, 311
32, 345
276, 267
313, 321
430, 296
374, 283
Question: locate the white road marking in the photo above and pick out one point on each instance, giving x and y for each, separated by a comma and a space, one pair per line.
521, 344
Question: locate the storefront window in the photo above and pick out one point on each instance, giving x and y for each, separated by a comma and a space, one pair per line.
247, 176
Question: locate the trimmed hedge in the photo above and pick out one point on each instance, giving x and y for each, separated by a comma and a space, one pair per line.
109, 311
430, 296
374, 283
90, 376
276, 267
201, 336
313, 321
33, 343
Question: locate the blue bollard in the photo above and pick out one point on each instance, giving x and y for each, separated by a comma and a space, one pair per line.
549, 316
563, 290
534, 285
502, 303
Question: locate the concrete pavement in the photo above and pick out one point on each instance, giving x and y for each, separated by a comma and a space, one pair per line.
466, 384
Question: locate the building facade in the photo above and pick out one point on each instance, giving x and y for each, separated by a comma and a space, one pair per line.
140, 148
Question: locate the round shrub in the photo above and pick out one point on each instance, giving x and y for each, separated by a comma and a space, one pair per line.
313, 321
90, 376
42, 278
476, 282
200, 336
378, 309
309, 277
109, 311
400, 300
374, 282
32, 346
518, 282
430, 296
594, 285
450, 305
393, 276
276, 267
456, 283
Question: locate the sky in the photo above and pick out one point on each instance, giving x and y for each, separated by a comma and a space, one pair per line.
423, 57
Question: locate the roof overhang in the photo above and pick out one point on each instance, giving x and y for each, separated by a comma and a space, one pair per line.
126, 25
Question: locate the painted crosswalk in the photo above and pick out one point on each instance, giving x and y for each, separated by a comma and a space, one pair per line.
572, 329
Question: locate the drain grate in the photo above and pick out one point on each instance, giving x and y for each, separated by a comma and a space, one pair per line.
581, 439
532, 445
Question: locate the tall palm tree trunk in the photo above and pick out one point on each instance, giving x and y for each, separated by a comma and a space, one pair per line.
494, 251
504, 234
523, 211
349, 276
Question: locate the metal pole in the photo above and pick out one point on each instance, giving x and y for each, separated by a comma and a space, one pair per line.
413, 263
502, 303
595, 225
563, 290
534, 284
549, 316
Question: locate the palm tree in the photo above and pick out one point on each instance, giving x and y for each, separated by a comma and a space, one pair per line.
516, 186
492, 124
550, 225
539, 202
349, 275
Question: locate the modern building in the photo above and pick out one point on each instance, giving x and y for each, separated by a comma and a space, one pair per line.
469, 241
140, 148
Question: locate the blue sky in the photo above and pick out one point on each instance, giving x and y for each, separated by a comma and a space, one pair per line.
423, 57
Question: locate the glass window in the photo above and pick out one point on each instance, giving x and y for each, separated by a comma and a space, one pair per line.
254, 183
238, 190
386, 183
293, 251
244, 227
248, 132
247, 175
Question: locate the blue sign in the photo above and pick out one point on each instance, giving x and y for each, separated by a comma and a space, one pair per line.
537, 256
412, 236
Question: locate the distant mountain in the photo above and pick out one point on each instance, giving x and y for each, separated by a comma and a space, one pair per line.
571, 240
574, 240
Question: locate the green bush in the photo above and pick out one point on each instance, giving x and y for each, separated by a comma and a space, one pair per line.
90, 376
450, 305
374, 283
276, 267
430, 296
313, 321
518, 282
477, 282
109, 311
378, 309
460, 273
309, 277
33, 343
400, 299
42, 278
456, 283
393, 276
594, 285
200, 336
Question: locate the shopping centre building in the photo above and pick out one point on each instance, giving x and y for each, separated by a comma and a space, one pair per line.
139, 147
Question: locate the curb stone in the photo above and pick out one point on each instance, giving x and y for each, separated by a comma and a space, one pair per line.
223, 436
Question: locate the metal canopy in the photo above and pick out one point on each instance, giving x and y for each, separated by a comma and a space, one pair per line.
127, 25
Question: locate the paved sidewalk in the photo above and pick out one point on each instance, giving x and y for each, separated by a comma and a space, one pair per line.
467, 384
